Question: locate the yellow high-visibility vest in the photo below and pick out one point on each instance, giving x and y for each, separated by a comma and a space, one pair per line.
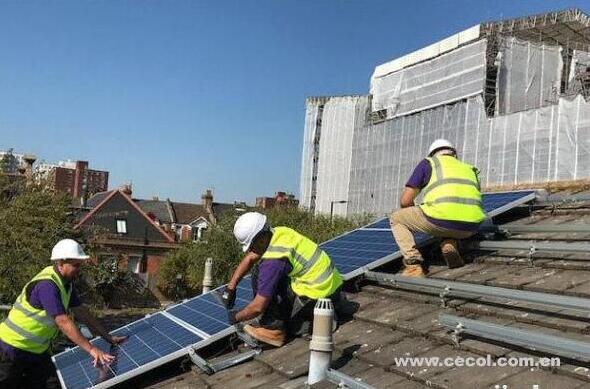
31, 329
453, 192
313, 273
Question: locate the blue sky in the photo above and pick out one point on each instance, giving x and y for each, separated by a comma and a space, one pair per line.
180, 96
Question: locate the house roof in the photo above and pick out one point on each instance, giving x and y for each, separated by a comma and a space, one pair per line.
157, 208
188, 212
106, 199
391, 322
97, 199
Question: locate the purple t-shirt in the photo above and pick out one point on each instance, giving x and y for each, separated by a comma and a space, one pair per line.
44, 295
418, 180
270, 271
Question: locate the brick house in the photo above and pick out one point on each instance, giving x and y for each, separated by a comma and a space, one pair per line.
141, 232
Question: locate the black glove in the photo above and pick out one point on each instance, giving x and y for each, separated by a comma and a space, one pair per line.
229, 297
231, 316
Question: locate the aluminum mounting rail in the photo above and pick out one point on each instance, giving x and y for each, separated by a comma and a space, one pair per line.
569, 228
343, 380
447, 289
536, 341
531, 245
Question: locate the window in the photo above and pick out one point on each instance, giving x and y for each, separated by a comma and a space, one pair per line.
198, 233
134, 264
121, 226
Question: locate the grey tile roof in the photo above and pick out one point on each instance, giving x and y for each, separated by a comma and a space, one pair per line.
97, 199
158, 208
391, 322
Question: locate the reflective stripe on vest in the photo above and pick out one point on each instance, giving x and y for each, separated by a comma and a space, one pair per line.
313, 274
28, 328
453, 192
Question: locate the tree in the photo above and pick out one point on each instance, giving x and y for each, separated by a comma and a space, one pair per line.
32, 219
181, 273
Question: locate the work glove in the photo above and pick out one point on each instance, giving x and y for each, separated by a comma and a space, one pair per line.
231, 316
229, 297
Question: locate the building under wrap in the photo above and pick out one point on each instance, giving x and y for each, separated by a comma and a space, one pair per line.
511, 95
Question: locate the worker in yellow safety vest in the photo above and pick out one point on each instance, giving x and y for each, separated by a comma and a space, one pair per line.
39, 313
451, 207
289, 273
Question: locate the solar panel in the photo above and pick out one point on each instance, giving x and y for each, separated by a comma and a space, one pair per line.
152, 341
168, 335
371, 246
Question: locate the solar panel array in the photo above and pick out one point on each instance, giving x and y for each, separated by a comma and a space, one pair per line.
151, 341
168, 335
373, 245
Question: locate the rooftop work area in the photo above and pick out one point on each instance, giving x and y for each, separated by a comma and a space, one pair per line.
529, 275
511, 95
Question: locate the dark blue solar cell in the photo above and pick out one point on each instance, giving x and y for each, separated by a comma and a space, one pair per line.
148, 340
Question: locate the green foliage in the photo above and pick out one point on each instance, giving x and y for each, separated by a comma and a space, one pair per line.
105, 282
32, 219
318, 228
219, 243
188, 262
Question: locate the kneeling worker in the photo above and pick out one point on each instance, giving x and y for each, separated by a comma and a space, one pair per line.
39, 313
289, 273
451, 207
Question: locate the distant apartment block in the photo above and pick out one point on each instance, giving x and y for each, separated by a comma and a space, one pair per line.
280, 199
74, 177
15, 164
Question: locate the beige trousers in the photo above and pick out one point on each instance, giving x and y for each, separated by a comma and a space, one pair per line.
406, 220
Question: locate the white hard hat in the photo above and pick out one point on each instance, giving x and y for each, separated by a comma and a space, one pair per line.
68, 249
247, 227
440, 144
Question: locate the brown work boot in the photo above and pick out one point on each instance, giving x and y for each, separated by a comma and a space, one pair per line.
451, 253
413, 271
273, 337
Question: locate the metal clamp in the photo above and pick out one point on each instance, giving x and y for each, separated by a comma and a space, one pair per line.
210, 368
531, 254
457, 334
244, 337
443, 296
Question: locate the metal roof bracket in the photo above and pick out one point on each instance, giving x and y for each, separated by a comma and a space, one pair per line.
443, 296
212, 368
457, 334
531, 254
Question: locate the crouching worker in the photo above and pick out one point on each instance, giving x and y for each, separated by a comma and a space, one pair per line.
37, 316
289, 274
451, 207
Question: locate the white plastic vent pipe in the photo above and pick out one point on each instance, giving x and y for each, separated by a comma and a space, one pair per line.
208, 275
321, 345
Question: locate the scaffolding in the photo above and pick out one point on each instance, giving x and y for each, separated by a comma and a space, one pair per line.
510, 95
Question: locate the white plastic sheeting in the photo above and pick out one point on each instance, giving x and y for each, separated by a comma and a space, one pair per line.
580, 62
341, 117
310, 147
535, 146
447, 78
529, 75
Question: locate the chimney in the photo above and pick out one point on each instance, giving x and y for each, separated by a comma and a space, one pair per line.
127, 189
80, 177
207, 198
29, 161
